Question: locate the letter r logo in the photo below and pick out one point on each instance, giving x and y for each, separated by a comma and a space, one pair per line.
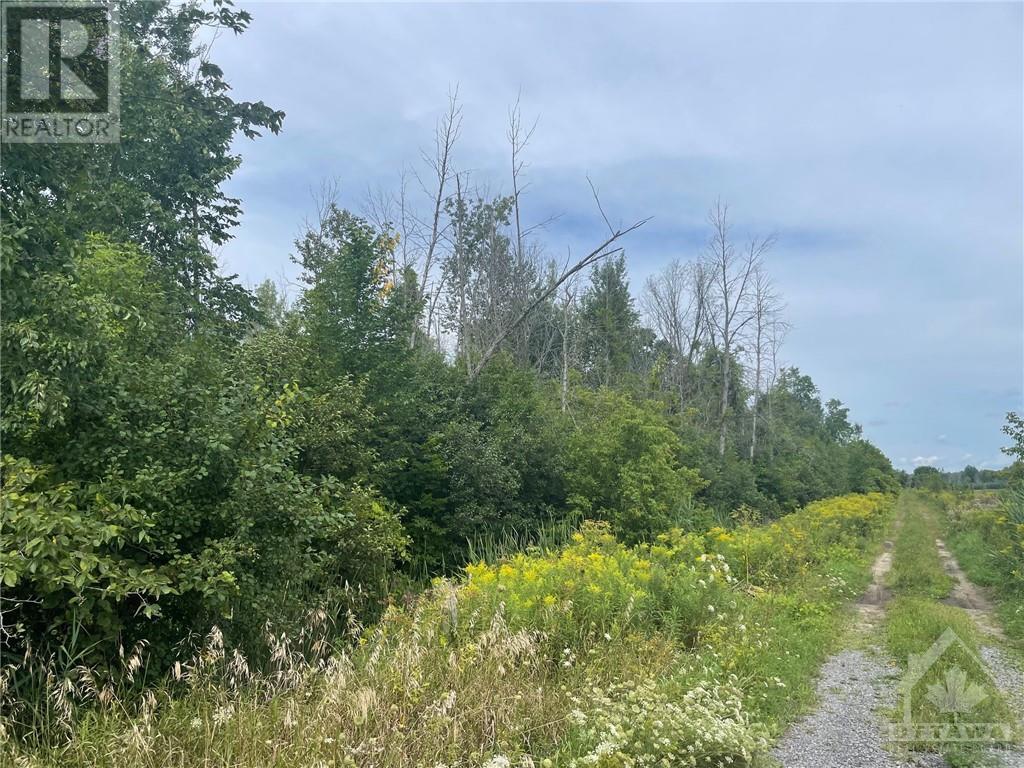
60, 61
35, 59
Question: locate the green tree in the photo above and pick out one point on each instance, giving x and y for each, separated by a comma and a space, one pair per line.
177, 482
609, 324
837, 423
160, 186
970, 474
928, 478
349, 308
1014, 429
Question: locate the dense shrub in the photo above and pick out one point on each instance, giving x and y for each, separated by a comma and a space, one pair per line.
152, 487
625, 465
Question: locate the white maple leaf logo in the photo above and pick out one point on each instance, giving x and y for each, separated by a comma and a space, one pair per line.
955, 694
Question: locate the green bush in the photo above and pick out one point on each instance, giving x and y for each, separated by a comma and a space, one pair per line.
624, 465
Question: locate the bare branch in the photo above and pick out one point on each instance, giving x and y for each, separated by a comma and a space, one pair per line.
597, 199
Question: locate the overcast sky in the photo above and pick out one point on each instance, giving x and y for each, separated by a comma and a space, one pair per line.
881, 142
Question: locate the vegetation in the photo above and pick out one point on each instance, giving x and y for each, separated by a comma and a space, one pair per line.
181, 452
916, 569
987, 533
916, 622
456, 502
694, 649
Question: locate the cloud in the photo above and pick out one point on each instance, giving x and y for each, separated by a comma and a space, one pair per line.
921, 461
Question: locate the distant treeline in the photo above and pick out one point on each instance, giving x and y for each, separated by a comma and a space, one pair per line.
969, 477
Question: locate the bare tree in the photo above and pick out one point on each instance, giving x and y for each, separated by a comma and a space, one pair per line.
571, 268
732, 275
440, 163
675, 301
766, 307
528, 255
777, 333
568, 308
518, 138
458, 274
390, 211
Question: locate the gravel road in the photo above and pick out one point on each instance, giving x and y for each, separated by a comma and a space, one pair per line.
846, 730
857, 686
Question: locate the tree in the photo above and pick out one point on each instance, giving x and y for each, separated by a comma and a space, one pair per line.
732, 283
868, 469
676, 301
928, 478
170, 472
1014, 429
624, 465
356, 317
608, 247
609, 323
160, 187
420, 241
766, 308
271, 304
837, 424
970, 474
566, 328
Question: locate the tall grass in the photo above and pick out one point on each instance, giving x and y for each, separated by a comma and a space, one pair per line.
547, 536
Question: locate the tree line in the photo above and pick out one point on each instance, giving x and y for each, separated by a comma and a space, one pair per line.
180, 451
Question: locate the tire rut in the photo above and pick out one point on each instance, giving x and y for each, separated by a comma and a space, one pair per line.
1005, 673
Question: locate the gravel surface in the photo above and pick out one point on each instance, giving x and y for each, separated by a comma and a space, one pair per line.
846, 729
1007, 676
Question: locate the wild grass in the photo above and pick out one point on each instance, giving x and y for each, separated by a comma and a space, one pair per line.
548, 536
592, 654
916, 568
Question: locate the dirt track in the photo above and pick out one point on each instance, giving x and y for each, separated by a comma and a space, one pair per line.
858, 684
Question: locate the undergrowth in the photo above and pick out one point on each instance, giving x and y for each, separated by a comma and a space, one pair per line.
695, 651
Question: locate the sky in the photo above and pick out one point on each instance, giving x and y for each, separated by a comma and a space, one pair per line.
882, 143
